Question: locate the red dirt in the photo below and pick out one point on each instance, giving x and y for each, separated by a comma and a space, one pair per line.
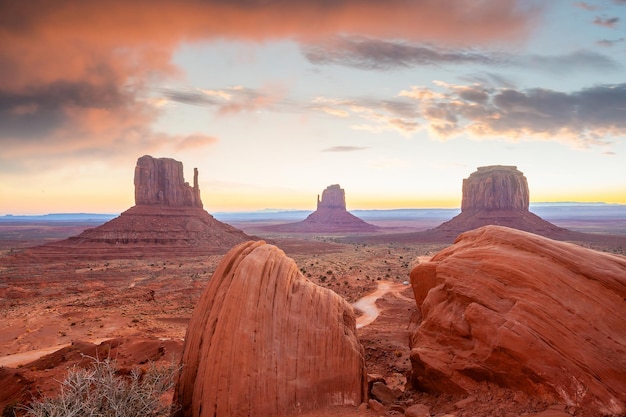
144, 300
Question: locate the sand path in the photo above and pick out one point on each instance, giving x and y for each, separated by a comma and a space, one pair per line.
367, 304
22, 358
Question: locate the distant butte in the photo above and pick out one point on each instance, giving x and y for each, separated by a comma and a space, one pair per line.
167, 217
331, 216
497, 195
492, 195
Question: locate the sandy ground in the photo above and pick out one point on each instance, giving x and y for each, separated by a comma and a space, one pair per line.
60, 301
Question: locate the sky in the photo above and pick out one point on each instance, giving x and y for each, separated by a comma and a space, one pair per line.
397, 100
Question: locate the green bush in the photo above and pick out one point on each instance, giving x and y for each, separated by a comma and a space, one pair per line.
103, 392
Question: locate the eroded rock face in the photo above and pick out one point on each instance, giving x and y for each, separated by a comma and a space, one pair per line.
495, 187
265, 341
526, 312
160, 182
332, 197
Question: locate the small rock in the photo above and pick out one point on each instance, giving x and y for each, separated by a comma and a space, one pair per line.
382, 393
397, 408
376, 406
464, 402
417, 410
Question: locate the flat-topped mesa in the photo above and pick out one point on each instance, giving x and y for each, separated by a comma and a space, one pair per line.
497, 194
332, 197
160, 182
495, 187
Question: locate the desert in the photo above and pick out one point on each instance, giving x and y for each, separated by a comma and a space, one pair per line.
496, 320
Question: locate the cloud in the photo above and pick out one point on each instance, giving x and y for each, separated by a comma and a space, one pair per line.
231, 100
373, 114
608, 22
345, 148
581, 118
586, 6
77, 77
194, 141
383, 55
609, 42
377, 54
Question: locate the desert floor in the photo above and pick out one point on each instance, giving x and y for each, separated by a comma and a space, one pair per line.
52, 302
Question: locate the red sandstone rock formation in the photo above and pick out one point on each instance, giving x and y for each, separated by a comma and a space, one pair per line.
265, 341
168, 217
331, 216
495, 187
523, 311
497, 195
333, 197
160, 182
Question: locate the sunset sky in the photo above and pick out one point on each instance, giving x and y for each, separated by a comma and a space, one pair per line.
397, 100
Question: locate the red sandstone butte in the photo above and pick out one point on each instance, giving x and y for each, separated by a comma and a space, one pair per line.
497, 194
526, 312
265, 341
167, 218
331, 216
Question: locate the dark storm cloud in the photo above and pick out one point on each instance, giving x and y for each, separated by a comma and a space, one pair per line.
374, 54
39, 110
609, 22
345, 148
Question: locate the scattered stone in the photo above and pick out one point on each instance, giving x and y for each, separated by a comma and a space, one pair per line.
417, 410
397, 408
376, 406
465, 402
382, 393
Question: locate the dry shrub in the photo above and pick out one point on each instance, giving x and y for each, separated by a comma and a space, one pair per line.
101, 391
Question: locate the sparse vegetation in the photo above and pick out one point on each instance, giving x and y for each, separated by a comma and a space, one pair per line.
103, 391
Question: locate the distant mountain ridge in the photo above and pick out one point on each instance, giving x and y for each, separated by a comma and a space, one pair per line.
544, 209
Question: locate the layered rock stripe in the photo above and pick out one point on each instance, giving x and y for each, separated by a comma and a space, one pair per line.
495, 187
523, 311
265, 341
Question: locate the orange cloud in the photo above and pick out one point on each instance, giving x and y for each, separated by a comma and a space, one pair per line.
76, 75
